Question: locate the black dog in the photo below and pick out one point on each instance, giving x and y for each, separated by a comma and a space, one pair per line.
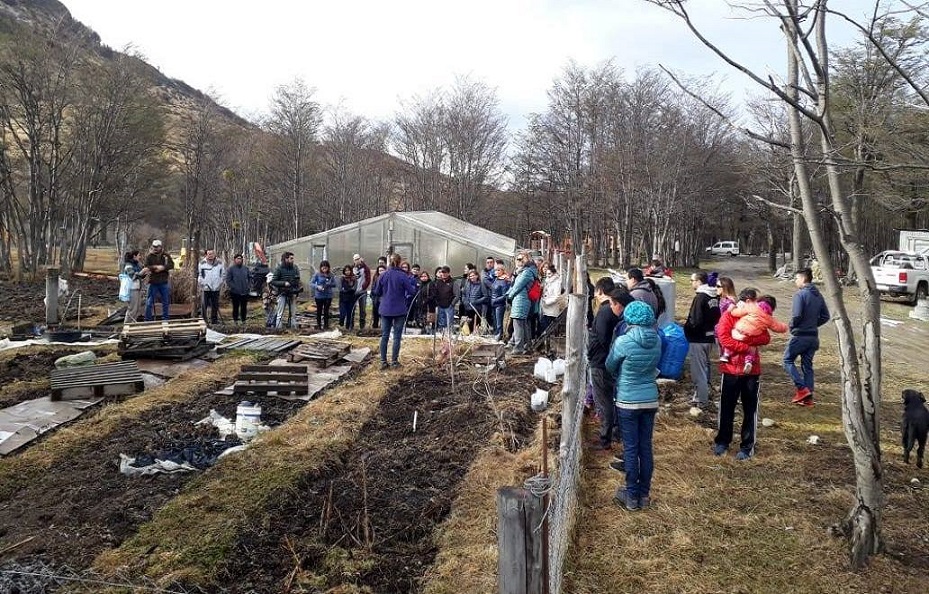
915, 425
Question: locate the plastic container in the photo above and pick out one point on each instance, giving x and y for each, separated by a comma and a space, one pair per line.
550, 375
558, 365
539, 400
541, 367
247, 419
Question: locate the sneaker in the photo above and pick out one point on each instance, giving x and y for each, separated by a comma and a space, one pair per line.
618, 466
801, 394
808, 401
743, 455
720, 449
384, 365
395, 364
622, 497
747, 368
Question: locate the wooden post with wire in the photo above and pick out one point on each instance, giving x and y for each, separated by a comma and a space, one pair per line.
522, 533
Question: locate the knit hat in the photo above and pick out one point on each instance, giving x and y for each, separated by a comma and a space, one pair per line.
639, 313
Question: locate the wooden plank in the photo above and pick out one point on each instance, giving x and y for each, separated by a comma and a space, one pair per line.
520, 566
274, 368
264, 388
278, 377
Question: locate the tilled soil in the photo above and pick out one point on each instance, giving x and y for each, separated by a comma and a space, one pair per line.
23, 302
369, 520
85, 505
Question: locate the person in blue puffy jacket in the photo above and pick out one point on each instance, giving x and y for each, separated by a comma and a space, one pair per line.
323, 282
633, 361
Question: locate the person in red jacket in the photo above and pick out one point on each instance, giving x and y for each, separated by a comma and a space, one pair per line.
740, 381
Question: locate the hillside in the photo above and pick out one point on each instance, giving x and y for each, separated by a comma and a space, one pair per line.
50, 16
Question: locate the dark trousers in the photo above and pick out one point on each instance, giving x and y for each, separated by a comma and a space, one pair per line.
211, 302
362, 301
347, 311
239, 303
322, 313
375, 313
605, 398
735, 388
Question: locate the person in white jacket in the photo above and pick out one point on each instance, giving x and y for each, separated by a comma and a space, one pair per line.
210, 276
553, 299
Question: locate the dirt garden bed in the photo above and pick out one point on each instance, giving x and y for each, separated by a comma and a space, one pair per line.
369, 520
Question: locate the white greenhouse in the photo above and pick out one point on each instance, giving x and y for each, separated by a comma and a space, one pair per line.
427, 238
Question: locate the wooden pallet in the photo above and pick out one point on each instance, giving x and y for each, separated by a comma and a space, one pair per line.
171, 339
268, 379
271, 344
319, 352
109, 379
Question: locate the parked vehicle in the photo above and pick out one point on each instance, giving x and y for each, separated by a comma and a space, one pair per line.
724, 248
902, 274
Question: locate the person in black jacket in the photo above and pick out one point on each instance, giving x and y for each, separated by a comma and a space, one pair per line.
598, 347
237, 281
700, 330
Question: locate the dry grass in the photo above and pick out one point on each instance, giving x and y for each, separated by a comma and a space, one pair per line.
190, 538
717, 525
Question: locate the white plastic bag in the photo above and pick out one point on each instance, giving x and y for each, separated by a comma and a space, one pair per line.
125, 287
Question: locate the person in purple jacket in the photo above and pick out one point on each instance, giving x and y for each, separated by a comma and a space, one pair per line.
394, 288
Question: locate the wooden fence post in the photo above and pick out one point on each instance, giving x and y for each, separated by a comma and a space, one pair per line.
521, 566
51, 297
574, 368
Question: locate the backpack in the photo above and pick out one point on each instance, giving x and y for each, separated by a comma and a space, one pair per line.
125, 287
535, 290
674, 346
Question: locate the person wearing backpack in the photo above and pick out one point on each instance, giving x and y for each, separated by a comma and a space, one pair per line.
640, 289
520, 302
700, 330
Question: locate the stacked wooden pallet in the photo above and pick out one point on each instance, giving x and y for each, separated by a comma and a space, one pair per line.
272, 379
109, 379
172, 339
319, 352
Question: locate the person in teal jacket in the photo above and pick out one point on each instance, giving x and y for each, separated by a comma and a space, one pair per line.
520, 306
633, 361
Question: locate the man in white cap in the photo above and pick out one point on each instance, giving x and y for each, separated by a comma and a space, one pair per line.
159, 264
363, 274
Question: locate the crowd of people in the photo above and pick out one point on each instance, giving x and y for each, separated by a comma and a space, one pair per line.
625, 347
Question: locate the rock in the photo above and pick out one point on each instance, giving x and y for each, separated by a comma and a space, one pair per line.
812, 440
76, 360
696, 411
914, 481
766, 422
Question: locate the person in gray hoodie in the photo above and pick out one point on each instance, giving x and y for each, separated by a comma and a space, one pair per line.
640, 289
808, 314
211, 273
700, 330
237, 281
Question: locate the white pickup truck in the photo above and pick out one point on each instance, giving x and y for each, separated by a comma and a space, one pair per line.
902, 274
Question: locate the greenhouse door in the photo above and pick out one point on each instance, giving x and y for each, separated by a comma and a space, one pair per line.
317, 255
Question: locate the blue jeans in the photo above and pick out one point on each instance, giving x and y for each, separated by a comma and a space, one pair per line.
347, 312
388, 323
804, 347
163, 292
637, 426
499, 314
445, 317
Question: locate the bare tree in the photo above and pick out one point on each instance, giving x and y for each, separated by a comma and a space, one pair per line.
295, 120
419, 140
806, 91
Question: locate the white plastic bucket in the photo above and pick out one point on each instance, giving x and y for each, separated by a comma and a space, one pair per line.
550, 375
539, 400
247, 419
558, 365
541, 368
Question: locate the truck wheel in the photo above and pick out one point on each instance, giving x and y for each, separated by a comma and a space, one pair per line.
922, 291
731, 254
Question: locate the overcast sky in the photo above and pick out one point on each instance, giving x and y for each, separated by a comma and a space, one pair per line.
369, 55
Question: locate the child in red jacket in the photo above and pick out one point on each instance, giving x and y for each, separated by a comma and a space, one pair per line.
753, 319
